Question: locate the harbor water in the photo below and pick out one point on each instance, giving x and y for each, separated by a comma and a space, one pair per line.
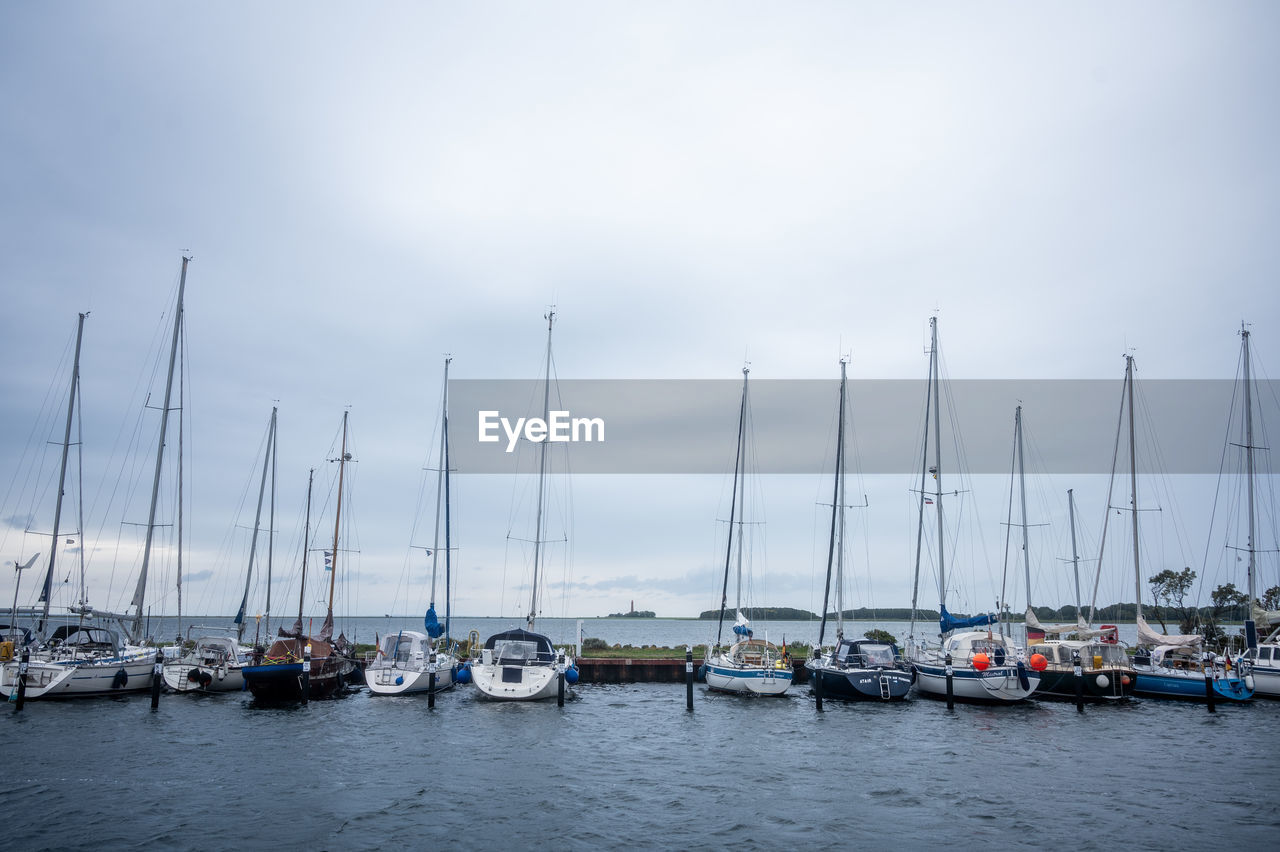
629, 766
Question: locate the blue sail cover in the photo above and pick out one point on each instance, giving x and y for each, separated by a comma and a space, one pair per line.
948, 622
432, 623
742, 630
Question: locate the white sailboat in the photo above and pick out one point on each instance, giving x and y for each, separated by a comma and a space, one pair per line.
1263, 657
749, 666
86, 658
520, 664
408, 661
216, 661
981, 665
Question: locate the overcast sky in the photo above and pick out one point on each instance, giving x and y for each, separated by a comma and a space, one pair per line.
693, 185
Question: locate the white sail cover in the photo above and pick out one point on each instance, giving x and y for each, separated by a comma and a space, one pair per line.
1080, 628
1148, 636
1265, 619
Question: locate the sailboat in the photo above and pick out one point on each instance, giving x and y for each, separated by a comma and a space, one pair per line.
1263, 658
1099, 669
215, 663
749, 666
407, 660
1173, 665
981, 665
854, 668
87, 658
298, 666
521, 664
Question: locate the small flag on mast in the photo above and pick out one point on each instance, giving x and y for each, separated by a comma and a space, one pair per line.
328, 561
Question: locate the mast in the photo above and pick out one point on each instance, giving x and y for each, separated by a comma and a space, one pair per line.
271, 520
837, 517
306, 542
1133, 483
440, 478
448, 597
1075, 556
46, 593
1250, 627
924, 473
257, 522
337, 519
550, 317
182, 402
139, 594
733, 503
1022, 486
937, 466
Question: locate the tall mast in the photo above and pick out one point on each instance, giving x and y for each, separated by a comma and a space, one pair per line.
733, 503
46, 593
1075, 556
306, 543
550, 317
271, 520
139, 594
337, 519
440, 477
937, 469
1250, 627
447, 544
1133, 483
837, 521
257, 523
1022, 485
924, 474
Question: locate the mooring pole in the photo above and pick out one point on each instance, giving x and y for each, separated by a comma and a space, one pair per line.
157, 679
22, 680
1078, 668
431, 680
817, 679
560, 678
306, 673
1210, 696
951, 701
688, 678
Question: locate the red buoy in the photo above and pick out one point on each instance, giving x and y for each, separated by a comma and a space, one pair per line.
1038, 662
980, 661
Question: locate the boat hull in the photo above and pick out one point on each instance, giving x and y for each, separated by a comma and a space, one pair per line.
282, 682
498, 682
192, 677
748, 680
1266, 681
1109, 684
862, 684
996, 685
50, 679
399, 680
1190, 686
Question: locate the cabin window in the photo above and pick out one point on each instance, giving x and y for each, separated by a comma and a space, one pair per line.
516, 652
1264, 655
878, 655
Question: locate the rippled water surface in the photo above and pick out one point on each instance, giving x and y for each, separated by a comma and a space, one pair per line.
629, 766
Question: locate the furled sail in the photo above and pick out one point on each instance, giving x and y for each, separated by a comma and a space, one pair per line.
1081, 629
742, 627
948, 622
1264, 618
1148, 636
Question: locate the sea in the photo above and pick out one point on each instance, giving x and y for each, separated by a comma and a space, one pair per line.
629, 766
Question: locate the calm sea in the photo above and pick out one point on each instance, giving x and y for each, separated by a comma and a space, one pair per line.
628, 766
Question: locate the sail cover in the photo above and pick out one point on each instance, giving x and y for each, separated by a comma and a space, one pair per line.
1264, 618
432, 623
948, 622
742, 627
1148, 636
1083, 630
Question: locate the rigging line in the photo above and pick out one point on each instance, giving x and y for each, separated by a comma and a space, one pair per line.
1106, 516
1008, 529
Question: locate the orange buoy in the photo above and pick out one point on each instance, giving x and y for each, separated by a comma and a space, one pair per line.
980, 661
1038, 662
